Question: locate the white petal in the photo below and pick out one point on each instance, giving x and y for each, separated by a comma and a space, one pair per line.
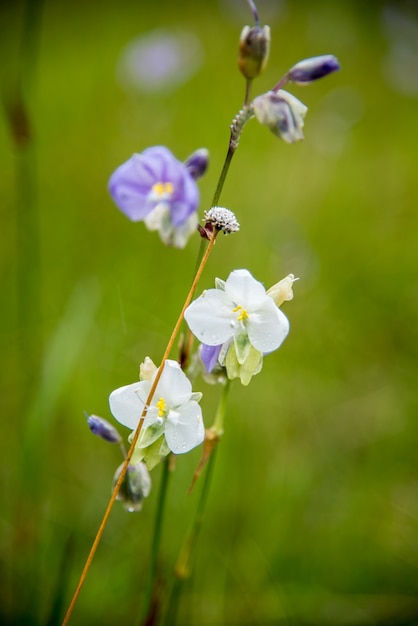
245, 290
210, 317
173, 386
126, 405
184, 428
268, 327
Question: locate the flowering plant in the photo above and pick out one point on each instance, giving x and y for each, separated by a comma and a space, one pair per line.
237, 322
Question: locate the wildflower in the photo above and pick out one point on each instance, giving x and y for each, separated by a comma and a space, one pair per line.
156, 188
135, 486
237, 322
282, 113
103, 429
173, 420
311, 69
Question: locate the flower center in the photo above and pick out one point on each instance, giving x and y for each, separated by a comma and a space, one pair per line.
161, 406
162, 189
243, 314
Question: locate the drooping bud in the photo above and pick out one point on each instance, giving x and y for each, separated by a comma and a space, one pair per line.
102, 428
254, 48
282, 291
197, 163
308, 70
135, 486
282, 113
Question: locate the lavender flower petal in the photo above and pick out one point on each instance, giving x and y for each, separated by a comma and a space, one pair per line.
209, 356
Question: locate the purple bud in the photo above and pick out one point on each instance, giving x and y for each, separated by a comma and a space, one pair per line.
308, 70
197, 163
209, 356
103, 429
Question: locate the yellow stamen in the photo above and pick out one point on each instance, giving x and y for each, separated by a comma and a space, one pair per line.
161, 407
243, 315
162, 189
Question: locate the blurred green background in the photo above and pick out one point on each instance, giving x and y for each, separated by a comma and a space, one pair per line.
313, 514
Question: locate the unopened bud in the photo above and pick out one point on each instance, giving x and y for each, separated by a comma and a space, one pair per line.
135, 486
197, 163
147, 369
254, 48
308, 70
102, 428
282, 113
282, 291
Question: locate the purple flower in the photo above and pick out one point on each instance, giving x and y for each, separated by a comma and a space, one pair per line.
156, 188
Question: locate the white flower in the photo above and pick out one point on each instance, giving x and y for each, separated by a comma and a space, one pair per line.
241, 311
173, 415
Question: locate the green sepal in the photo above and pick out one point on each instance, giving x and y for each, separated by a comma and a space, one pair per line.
242, 347
153, 454
251, 366
150, 434
244, 371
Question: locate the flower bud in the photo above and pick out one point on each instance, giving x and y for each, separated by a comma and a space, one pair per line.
147, 369
282, 113
254, 48
197, 163
282, 291
102, 428
135, 486
308, 70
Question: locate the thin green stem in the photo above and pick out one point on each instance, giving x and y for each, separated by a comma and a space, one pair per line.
224, 172
218, 424
187, 553
248, 86
149, 603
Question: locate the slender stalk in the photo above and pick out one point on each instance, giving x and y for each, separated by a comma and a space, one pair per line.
183, 565
248, 86
224, 172
148, 604
254, 11
282, 82
138, 431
